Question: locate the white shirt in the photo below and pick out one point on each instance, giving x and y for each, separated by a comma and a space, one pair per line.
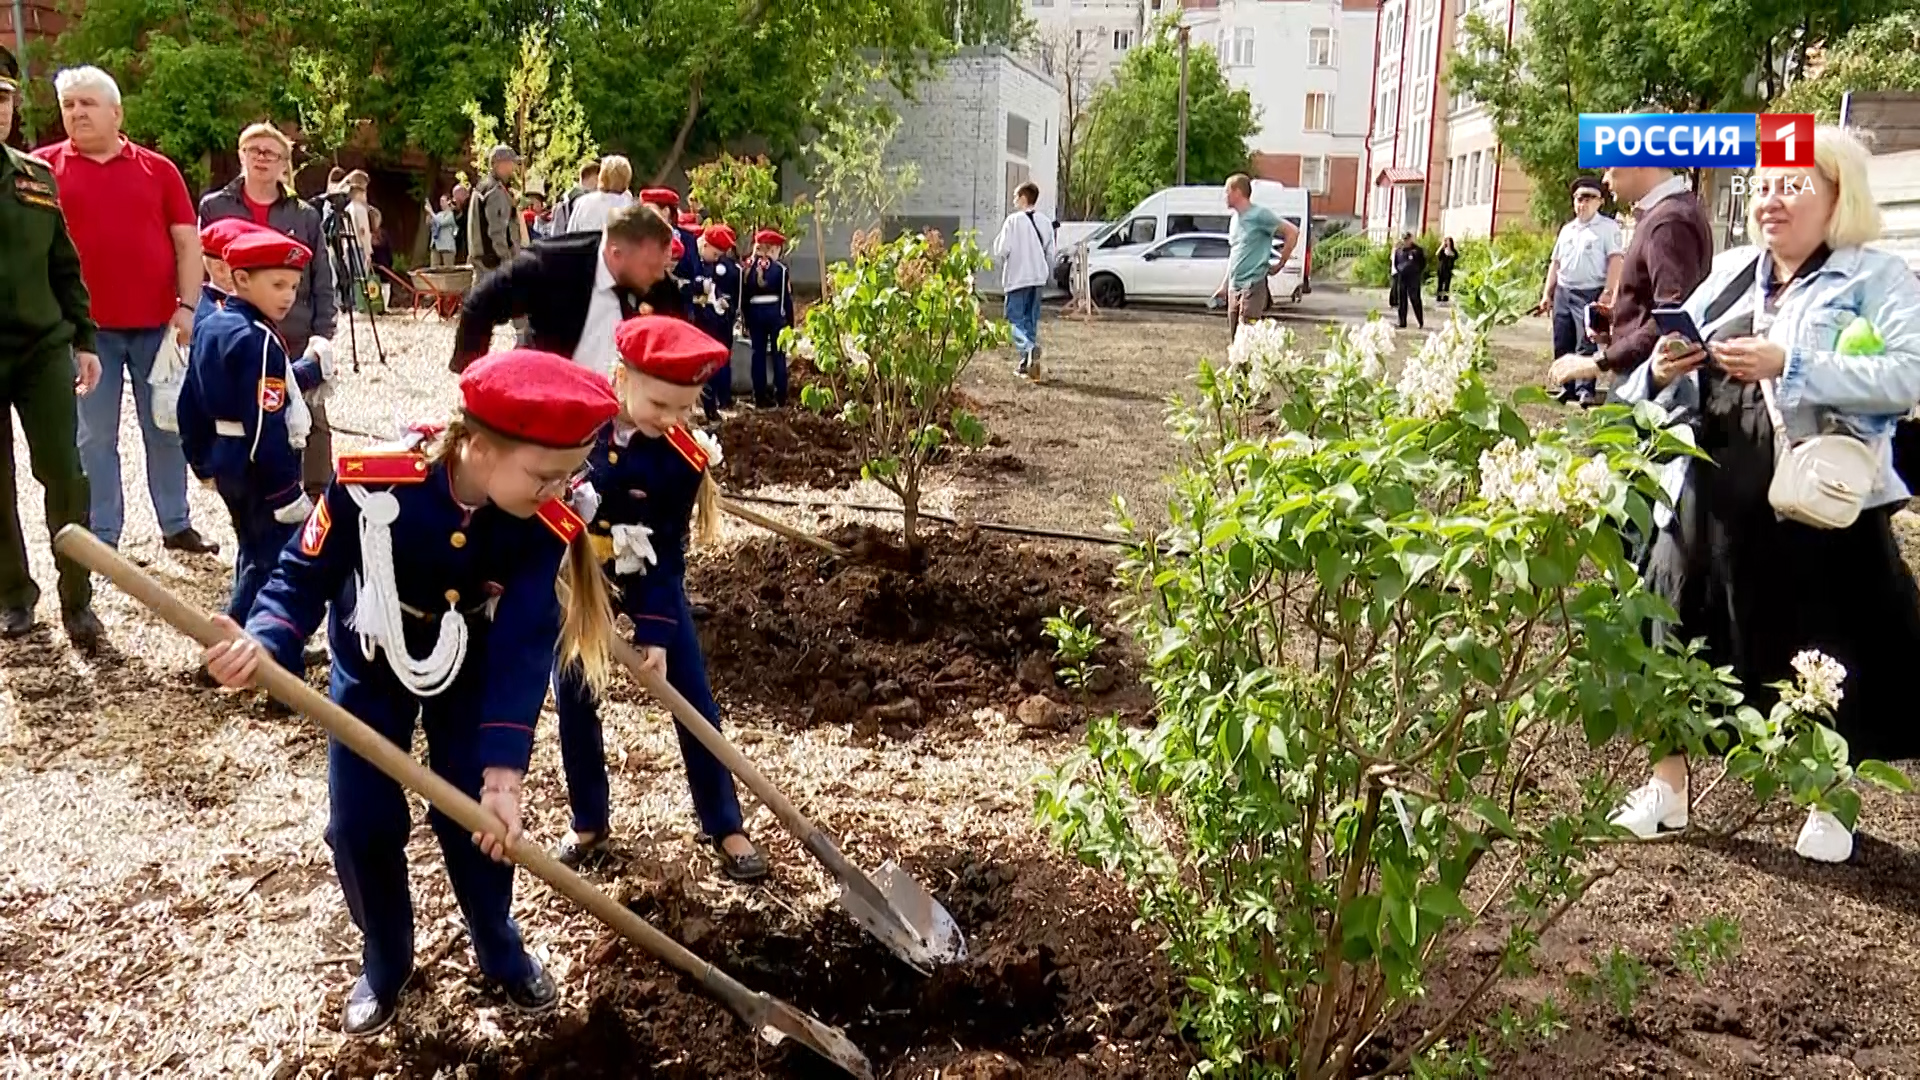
1582, 251
591, 211
1025, 249
596, 351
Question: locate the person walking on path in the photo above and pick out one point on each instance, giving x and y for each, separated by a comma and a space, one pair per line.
1409, 270
445, 229
259, 194
134, 225
1443, 263
492, 222
46, 356
1587, 257
1025, 250
1250, 258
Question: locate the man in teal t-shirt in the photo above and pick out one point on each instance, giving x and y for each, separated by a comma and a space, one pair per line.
1250, 254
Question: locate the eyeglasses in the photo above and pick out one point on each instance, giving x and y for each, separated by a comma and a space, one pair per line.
560, 485
261, 153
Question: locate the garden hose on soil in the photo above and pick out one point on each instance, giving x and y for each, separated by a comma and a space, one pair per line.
986, 526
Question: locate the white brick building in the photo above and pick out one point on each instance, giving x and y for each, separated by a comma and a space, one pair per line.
1309, 68
987, 122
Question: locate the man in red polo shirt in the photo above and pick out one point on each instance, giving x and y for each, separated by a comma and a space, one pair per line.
134, 225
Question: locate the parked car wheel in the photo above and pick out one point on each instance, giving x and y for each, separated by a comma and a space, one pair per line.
1107, 291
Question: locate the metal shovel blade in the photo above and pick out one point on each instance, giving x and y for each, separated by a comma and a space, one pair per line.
777, 1021
912, 923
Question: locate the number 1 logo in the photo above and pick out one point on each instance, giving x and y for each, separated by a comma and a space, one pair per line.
1786, 140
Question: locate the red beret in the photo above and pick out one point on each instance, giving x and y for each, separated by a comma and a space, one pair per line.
769, 236
688, 219
265, 249
218, 234
660, 196
719, 236
677, 249
537, 397
669, 349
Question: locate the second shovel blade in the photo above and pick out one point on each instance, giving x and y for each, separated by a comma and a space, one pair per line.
912, 924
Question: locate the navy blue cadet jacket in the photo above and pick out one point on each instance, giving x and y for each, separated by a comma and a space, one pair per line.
712, 321
655, 483
489, 564
233, 408
766, 301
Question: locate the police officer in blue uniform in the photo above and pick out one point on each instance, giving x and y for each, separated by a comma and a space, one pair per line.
242, 409
766, 301
439, 566
716, 308
650, 475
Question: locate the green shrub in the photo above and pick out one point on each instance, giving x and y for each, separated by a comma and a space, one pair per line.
1377, 608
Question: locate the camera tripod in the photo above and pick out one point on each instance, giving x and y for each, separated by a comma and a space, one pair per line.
344, 244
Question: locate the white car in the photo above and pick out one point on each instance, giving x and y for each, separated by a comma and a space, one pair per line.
1184, 269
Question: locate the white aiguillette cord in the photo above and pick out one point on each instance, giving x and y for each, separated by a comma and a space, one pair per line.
377, 616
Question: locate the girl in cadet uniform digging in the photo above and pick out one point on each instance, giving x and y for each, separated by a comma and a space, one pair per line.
649, 474
440, 565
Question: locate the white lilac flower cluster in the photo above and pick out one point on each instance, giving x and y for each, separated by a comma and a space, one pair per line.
1817, 690
1430, 383
1262, 352
1373, 346
1514, 478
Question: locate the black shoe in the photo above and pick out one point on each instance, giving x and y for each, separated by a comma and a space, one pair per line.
16, 622
1026, 366
364, 1013
190, 541
315, 656
84, 629
533, 994
750, 867
765, 402
577, 854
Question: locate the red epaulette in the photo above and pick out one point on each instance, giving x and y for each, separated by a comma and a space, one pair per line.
559, 517
689, 447
388, 467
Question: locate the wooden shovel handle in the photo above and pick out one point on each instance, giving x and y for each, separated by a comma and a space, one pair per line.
781, 528
82, 547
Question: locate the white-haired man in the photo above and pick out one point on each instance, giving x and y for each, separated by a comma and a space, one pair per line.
134, 225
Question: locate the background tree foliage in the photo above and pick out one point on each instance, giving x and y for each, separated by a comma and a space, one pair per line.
1575, 56
1128, 148
542, 119
1881, 55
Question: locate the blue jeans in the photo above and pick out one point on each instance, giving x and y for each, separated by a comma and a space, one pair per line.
1570, 329
1023, 311
123, 352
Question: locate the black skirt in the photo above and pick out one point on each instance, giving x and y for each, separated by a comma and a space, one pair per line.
1760, 590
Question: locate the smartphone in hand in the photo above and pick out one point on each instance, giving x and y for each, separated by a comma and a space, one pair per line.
1677, 321
1599, 319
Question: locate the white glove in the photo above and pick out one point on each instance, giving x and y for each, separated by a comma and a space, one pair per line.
632, 549
299, 421
295, 512
321, 350
584, 500
710, 444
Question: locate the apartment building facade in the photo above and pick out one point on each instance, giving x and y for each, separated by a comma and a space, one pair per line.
1308, 65
1083, 41
1434, 158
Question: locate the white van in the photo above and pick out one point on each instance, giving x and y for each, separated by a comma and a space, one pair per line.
1199, 209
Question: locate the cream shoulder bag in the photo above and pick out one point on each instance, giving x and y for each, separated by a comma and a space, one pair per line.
1822, 481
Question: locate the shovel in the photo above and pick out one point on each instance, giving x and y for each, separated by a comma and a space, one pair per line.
892, 906
782, 529
772, 1019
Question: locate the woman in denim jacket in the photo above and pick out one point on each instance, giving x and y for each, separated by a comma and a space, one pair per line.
1757, 588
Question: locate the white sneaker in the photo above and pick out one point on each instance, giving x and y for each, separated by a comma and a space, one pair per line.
1824, 839
1651, 807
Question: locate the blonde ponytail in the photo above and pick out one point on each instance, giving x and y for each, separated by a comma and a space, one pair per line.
706, 512
587, 624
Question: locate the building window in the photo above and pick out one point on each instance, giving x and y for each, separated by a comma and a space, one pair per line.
1243, 46
1492, 164
1416, 155
1018, 132
1473, 179
1122, 40
1313, 174
1319, 112
1079, 39
1320, 47
1422, 96
1447, 191
1393, 109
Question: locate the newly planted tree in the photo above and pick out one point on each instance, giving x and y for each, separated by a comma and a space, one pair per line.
745, 194
902, 326
1379, 606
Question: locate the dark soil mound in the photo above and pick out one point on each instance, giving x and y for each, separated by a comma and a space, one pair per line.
883, 639
786, 446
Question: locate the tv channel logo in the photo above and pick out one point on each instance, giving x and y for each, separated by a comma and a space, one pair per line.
1696, 141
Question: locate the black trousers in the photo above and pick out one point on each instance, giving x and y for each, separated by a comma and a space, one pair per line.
1410, 294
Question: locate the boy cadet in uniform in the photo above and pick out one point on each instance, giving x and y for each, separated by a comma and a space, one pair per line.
766, 300
439, 565
46, 357
716, 309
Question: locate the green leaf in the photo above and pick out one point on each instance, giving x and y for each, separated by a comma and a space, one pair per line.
1497, 820
1884, 775
968, 429
1439, 900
